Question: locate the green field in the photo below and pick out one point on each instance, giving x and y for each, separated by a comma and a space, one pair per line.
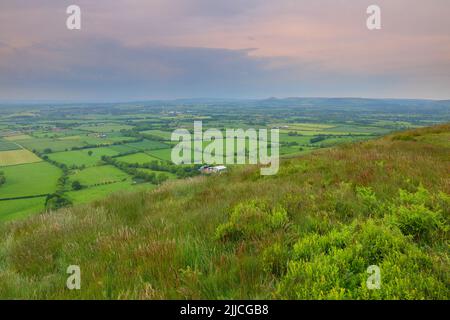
168, 174
82, 157
357, 129
139, 158
99, 175
302, 140
40, 144
29, 179
338, 140
148, 145
16, 209
98, 192
122, 148
163, 154
166, 135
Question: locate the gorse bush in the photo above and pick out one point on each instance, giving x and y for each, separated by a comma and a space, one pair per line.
312, 244
419, 214
334, 266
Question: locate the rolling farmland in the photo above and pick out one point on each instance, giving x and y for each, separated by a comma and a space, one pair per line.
69, 154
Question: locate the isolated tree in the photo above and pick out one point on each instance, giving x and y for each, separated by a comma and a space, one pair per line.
90, 152
76, 185
2, 178
57, 200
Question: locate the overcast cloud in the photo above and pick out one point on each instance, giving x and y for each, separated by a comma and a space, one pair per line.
144, 49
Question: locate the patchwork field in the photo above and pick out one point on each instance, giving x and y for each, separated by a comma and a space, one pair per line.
14, 157
133, 135
108, 127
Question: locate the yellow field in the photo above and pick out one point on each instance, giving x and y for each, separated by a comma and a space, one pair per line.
9, 158
18, 137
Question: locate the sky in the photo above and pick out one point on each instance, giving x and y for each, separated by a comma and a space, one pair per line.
166, 49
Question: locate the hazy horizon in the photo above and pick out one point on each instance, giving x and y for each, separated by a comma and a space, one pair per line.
185, 99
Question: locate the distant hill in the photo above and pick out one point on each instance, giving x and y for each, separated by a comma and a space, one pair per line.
309, 232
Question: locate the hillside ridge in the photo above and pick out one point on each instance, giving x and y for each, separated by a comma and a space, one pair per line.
309, 232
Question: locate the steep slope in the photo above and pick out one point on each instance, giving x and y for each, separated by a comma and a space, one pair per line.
309, 232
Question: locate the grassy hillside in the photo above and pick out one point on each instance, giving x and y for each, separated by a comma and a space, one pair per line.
309, 232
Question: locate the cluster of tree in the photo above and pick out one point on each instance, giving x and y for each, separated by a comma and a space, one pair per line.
294, 134
76, 185
93, 146
153, 137
318, 138
133, 133
57, 200
62, 181
290, 144
148, 177
2, 178
131, 168
62, 166
138, 175
106, 182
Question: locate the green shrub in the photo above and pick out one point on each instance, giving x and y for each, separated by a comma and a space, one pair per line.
369, 200
334, 266
315, 244
251, 220
420, 197
418, 221
419, 214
